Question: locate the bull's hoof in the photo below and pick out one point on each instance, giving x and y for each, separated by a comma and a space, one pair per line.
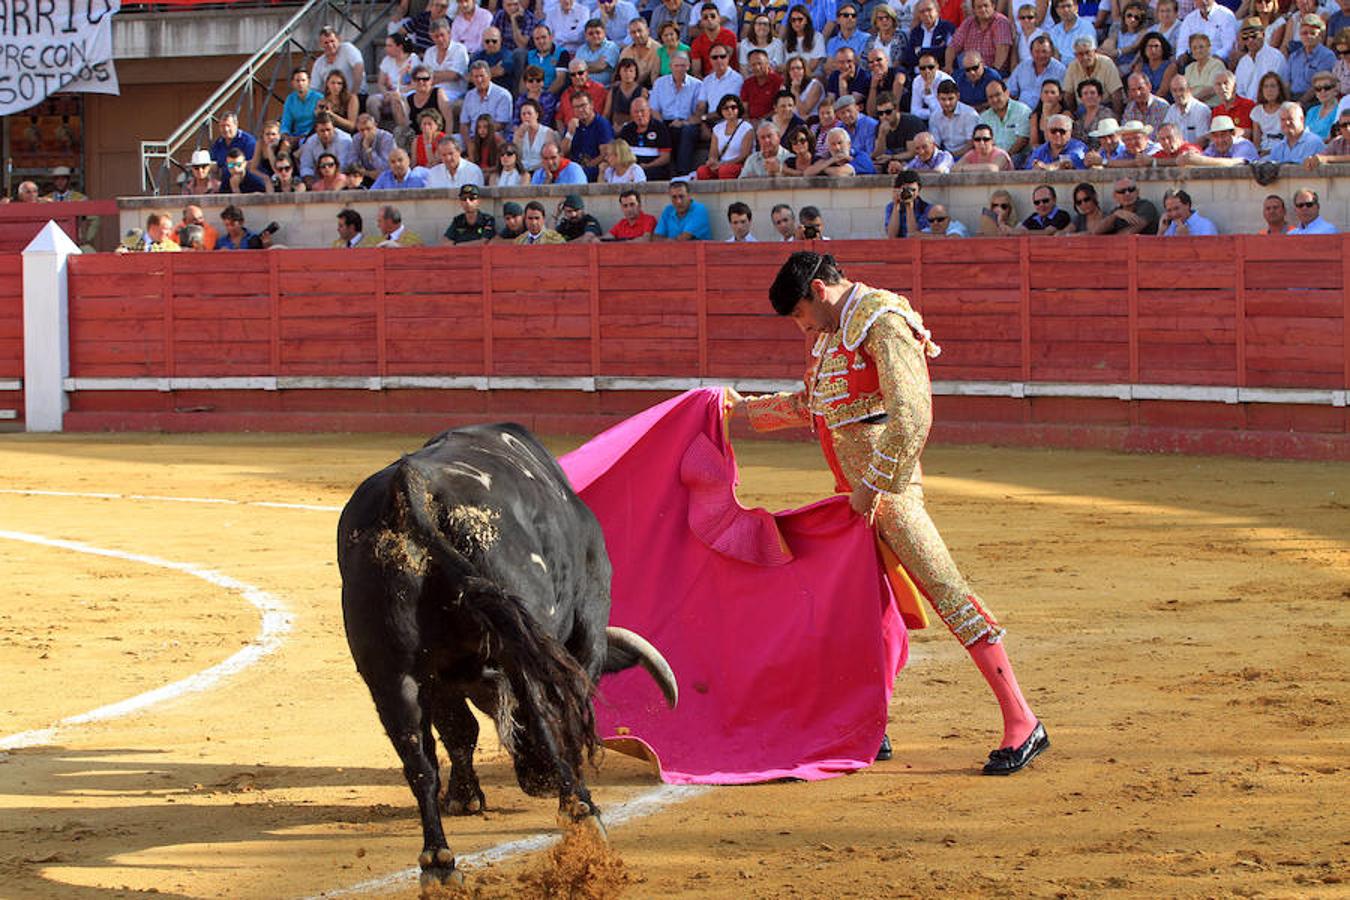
440, 877
438, 867
471, 806
592, 823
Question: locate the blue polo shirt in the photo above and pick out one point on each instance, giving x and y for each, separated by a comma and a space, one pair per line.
695, 221
1075, 150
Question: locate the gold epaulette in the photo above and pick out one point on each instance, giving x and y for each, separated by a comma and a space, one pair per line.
870, 305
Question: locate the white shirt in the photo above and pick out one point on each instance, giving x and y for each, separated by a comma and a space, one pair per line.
955, 130
467, 173
569, 29
457, 61
348, 58
923, 100
1220, 26
748, 239
1193, 120
714, 89
1318, 225
1250, 71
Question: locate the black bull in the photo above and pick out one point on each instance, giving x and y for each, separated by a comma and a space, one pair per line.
472, 571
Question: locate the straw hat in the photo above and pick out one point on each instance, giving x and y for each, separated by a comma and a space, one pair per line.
1134, 126
1105, 128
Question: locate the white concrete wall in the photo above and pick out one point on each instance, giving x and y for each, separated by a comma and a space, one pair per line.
852, 209
185, 33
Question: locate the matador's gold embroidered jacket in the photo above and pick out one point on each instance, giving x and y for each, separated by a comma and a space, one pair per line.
872, 370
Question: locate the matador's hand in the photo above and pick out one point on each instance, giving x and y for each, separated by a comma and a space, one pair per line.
864, 501
734, 402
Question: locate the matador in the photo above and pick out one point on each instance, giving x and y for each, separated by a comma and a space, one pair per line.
868, 399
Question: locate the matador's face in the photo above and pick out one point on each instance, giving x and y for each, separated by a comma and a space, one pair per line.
813, 317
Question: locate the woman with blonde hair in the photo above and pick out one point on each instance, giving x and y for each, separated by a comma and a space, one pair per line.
621, 166
999, 219
271, 145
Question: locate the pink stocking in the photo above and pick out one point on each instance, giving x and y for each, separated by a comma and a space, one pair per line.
1018, 719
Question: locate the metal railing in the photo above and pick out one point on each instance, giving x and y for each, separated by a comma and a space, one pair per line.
264, 77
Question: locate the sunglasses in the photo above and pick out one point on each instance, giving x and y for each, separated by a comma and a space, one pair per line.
422, 78
1027, 18
937, 218
1058, 130
718, 56
982, 139
1081, 200
971, 69
235, 165
1001, 205
492, 40
1306, 204
1134, 17
885, 112
1125, 190
206, 166
1044, 201
283, 168
533, 79
848, 15
508, 152
928, 67
797, 20
327, 165
1324, 87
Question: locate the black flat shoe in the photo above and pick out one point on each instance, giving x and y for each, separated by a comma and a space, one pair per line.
885, 752
1007, 760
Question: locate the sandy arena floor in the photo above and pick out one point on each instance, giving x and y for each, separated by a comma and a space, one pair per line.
1179, 623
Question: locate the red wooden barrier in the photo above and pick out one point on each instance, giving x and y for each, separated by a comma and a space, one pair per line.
1230, 312
11, 333
20, 222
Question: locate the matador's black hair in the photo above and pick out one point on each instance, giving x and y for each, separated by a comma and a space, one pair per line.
793, 283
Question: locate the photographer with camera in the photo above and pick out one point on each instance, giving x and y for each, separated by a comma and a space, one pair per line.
907, 213
810, 226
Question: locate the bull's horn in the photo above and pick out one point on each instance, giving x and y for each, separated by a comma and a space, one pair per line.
650, 659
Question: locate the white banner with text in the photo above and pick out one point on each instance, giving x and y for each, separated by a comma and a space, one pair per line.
54, 45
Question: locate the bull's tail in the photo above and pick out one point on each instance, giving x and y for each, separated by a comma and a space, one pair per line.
538, 670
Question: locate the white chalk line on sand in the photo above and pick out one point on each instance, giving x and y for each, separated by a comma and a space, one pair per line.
157, 498
645, 804
276, 622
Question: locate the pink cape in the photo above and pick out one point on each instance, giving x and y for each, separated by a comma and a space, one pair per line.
780, 627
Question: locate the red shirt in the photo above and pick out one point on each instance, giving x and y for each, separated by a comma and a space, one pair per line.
702, 45
759, 98
624, 230
599, 94
1239, 109
1186, 147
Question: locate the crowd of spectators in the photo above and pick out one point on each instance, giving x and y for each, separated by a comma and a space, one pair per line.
556, 91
